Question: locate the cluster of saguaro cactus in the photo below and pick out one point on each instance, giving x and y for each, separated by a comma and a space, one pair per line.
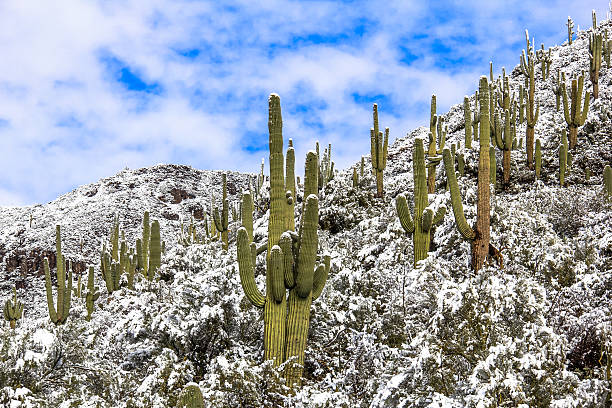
533, 109
574, 116
191, 397
189, 235
424, 219
221, 219
58, 314
291, 260
595, 51
436, 144
13, 311
378, 152
480, 234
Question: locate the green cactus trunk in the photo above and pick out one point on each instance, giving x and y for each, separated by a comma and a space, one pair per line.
247, 214
378, 151
608, 180
155, 251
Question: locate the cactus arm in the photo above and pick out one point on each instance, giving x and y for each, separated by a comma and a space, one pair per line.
247, 270
464, 229
308, 247
320, 277
403, 212
247, 213
286, 246
585, 109
385, 149
52, 312
277, 274
439, 216
427, 219
565, 104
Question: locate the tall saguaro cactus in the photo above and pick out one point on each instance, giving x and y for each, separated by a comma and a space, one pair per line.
64, 289
533, 109
291, 261
595, 50
424, 217
247, 214
573, 115
378, 151
480, 234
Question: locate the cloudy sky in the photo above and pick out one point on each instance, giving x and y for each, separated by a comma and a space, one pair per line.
90, 87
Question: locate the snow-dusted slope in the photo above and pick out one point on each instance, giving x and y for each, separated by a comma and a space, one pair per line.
382, 334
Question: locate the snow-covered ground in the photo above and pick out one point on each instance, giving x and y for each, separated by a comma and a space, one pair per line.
382, 333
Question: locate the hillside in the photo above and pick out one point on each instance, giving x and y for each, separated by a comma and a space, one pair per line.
382, 334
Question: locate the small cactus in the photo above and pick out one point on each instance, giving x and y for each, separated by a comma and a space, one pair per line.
436, 144
13, 311
355, 179
221, 219
570, 30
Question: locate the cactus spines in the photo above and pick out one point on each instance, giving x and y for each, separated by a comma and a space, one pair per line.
467, 115
378, 151
608, 180
570, 29
222, 219
595, 51
573, 115
480, 234
419, 225
92, 293
247, 214
13, 311
58, 314
538, 158
191, 397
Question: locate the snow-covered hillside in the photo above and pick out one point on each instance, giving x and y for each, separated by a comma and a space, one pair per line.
533, 334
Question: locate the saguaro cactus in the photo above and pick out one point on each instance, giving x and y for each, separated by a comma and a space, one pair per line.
222, 220
378, 151
573, 115
290, 262
533, 109
570, 29
505, 142
355, 179
424, 217
13, 311
595, 50
64, 289
480, 234
433, 151
545, 61
558, 88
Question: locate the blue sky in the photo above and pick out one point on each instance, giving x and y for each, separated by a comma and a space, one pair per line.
90, 87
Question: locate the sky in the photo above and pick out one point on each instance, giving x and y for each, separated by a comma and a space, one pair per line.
88, 88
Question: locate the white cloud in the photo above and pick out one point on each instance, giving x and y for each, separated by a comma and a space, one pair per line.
67, 121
